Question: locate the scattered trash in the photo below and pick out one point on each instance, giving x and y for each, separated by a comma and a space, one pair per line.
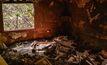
104, 62
58, 51
43, 61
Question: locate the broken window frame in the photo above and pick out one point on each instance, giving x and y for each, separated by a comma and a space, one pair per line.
14, 2
1, 18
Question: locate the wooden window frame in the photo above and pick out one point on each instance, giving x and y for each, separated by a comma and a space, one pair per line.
17, 2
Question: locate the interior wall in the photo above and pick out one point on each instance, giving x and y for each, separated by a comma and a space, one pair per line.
89, 22
47, 23
67, 17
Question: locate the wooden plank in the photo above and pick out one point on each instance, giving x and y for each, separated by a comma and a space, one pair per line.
18, 1
2, 61
1, 17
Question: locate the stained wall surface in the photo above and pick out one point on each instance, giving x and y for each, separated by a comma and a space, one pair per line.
83, 19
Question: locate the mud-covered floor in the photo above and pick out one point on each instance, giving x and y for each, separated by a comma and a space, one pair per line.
57, 51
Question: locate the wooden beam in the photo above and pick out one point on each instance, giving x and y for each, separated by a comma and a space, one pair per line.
18, 1
1, 18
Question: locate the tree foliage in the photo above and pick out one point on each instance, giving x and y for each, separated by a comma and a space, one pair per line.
18, 16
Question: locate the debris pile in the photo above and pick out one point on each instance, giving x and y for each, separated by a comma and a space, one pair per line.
58, 51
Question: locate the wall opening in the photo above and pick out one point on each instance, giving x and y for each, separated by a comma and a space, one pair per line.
18, 16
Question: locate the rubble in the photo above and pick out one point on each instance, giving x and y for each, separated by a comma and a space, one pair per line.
43, 61
104, 53
58, 51
2, 61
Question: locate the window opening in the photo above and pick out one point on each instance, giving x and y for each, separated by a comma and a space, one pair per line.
18, 16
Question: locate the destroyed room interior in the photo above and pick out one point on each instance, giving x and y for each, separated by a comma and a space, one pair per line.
53, 32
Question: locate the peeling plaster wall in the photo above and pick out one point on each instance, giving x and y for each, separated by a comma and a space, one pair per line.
47, 18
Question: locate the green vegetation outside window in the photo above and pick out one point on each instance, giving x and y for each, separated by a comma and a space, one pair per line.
18, 16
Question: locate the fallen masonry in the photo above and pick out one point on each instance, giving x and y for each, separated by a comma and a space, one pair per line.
58, 51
